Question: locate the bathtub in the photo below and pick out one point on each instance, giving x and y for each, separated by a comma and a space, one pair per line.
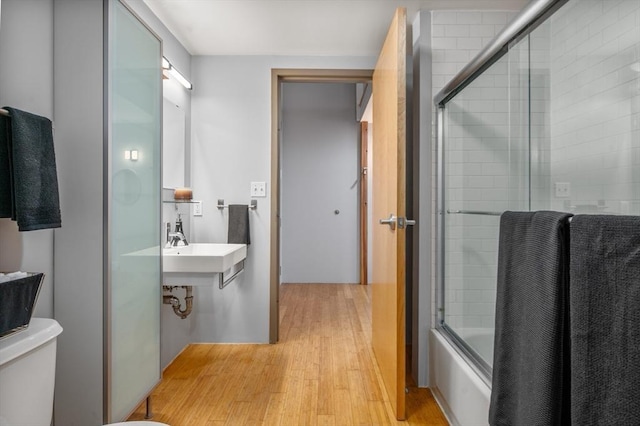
480, 339
460, 390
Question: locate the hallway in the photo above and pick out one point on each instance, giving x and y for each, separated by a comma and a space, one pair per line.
321, 372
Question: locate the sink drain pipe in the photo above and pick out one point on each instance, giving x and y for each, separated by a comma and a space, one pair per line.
169, 299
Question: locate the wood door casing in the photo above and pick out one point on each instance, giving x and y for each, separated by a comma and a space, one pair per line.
278, 76
389, 192
364, 203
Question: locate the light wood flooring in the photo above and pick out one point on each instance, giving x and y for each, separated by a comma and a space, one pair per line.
321, 372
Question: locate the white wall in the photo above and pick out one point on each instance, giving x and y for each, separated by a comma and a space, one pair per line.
26, 82
320, 144
231, 147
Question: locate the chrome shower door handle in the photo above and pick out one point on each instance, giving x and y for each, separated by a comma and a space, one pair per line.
391, 221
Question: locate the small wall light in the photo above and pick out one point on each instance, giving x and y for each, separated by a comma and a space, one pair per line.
131, 154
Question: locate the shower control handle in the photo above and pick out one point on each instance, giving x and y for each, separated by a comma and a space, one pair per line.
391, 221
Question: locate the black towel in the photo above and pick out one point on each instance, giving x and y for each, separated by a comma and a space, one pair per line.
605, 320
531, 336
5, 167
32, 168
238, 224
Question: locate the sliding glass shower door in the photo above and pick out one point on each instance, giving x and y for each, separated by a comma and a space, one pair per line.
485, 172
550, 123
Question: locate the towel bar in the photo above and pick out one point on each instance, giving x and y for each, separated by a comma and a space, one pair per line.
482, 213
478, 212
6, 114
223, 283
221, 205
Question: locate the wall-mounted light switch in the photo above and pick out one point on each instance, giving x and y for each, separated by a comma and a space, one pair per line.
197, 208
258, 189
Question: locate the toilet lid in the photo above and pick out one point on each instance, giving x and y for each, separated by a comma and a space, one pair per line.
140, 423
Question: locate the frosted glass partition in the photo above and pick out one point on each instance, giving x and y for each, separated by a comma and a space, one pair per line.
552, 122
134, 209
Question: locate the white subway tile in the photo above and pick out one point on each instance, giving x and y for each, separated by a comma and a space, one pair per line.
445, 17
494, 18
468, 43
456, 31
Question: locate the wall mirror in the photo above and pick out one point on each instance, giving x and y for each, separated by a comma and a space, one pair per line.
173, 141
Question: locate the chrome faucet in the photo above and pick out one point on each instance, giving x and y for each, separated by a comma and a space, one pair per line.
173, 238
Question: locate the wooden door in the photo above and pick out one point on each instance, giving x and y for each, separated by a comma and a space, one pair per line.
388, 258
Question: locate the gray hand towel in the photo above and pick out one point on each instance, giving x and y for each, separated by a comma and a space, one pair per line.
34, 182
531, 336
605, 320
238, 224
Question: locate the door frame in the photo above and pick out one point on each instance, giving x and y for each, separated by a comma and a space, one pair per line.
279, 76
364, 203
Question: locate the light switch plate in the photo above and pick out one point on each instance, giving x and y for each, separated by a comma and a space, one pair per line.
197, 208
258, 189
563, 189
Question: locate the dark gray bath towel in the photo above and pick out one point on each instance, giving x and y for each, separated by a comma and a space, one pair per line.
5, 175
531, 337
605, 320
238, 224
32, 167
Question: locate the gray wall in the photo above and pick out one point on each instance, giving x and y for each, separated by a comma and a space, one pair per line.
320, 144
26, 82
231, 145
78, 72
423, 207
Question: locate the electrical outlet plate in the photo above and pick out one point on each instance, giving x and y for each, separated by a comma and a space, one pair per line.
197, 208
563, 189
258, 189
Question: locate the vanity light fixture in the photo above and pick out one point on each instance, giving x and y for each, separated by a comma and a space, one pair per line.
166, 65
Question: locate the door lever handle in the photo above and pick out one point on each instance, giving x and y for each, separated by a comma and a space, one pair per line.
391, 221
403, 222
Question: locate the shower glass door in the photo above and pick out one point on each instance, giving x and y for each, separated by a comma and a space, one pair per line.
134, 259
553, 123
485, 172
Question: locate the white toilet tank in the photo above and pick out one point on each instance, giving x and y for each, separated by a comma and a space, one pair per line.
27, 374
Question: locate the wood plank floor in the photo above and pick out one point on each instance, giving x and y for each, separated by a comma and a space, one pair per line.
322, 372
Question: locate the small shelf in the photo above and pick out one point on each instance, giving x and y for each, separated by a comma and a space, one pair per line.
179, 201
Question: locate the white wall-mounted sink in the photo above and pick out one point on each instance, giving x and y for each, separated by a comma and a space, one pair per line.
202, 258
197, 263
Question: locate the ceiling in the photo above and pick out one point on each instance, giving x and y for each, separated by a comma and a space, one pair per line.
294, 27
